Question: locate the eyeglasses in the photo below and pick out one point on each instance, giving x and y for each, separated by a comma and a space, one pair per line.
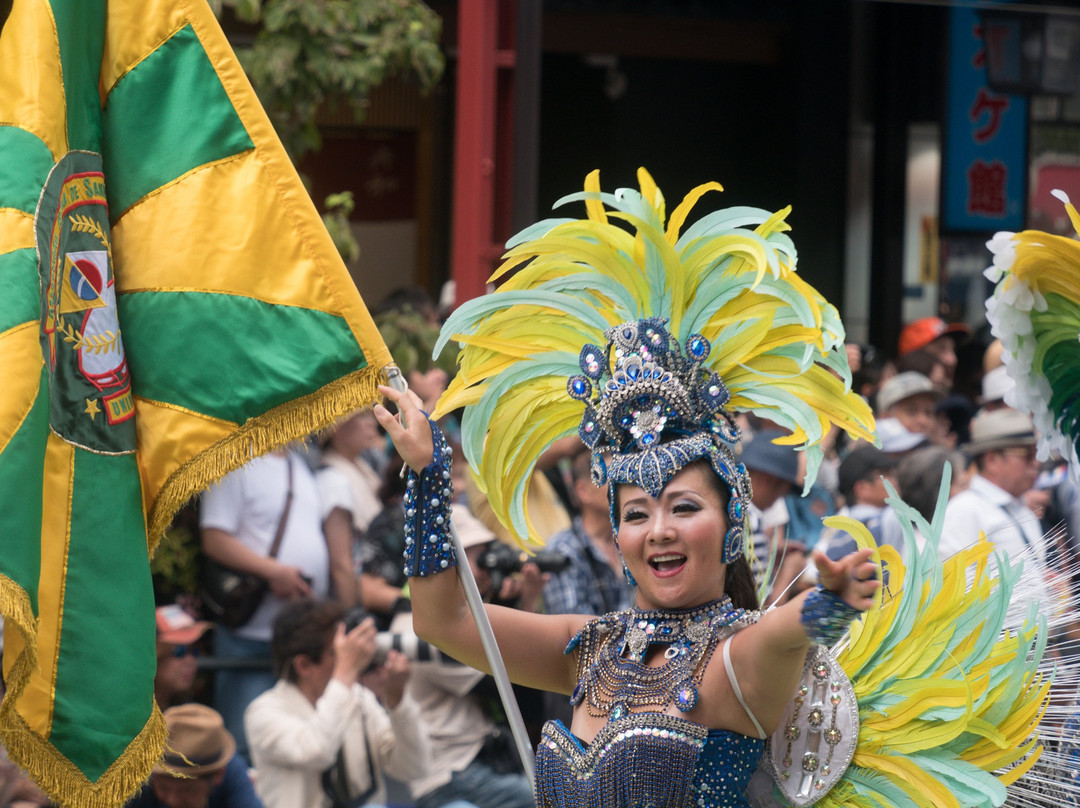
1026, 453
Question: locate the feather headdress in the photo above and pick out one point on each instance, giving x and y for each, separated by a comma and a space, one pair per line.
729, 278
1035, 312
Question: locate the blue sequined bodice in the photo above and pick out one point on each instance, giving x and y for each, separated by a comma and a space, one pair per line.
645, 759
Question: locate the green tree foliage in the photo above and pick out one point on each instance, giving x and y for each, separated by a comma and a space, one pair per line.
310, 52
336, 219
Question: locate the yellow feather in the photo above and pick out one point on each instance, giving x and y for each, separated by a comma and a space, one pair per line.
594, 207
650, 192
456, 395
678, 216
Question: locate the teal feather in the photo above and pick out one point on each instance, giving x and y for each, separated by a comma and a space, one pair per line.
465, 318
712, 294
721, 221
588, 284
554, 363
609, 199
687, 253
872, 785
969, 784
536, 230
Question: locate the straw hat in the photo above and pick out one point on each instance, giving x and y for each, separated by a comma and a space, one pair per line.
198, 741
1000, 429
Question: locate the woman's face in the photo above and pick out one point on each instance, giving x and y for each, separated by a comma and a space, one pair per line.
672, 544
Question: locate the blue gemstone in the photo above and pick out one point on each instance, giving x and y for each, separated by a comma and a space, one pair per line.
579, 386
687, 697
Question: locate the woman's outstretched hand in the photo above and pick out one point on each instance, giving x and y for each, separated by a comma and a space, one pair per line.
855, 578
412, 441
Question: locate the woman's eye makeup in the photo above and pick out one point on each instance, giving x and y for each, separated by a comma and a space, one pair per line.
633, 514
686, 507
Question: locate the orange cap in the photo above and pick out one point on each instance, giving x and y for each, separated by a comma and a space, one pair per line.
922, 332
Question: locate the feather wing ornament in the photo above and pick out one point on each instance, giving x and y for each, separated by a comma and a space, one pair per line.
963, 700
1035, 311
728, 277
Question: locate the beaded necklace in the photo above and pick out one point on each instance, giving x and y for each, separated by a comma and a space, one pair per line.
613, 677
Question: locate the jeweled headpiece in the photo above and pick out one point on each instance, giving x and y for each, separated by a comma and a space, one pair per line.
680, 327
656, 409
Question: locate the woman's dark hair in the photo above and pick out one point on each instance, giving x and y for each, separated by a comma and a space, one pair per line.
304, 626
739, 579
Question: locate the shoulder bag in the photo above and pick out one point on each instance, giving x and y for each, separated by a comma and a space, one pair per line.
232, 597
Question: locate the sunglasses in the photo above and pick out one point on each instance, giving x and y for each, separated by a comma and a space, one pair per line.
181, 651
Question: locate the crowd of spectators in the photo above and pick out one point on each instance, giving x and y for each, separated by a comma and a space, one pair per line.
314, 712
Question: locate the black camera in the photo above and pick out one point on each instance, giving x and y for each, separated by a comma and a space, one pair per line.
501, 560
505, 559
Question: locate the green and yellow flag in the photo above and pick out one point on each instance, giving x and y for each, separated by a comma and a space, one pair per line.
170, 306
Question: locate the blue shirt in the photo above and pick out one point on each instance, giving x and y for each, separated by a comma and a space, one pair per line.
235, 791
589, 585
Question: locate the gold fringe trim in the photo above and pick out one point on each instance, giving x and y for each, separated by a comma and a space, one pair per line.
283, 424
19, 613
65, 784
55, 774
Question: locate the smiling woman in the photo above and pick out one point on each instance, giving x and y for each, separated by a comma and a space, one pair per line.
646, 395
643, 344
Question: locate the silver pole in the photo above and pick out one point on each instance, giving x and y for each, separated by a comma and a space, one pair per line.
483, 626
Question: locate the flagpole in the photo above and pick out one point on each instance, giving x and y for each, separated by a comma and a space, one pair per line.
483, 626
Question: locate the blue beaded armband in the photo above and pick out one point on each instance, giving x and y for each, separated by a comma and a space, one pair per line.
428, 495
826, 617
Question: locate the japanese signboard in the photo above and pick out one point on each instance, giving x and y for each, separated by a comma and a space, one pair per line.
985, 161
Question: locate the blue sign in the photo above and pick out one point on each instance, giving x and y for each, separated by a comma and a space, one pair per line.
985, 161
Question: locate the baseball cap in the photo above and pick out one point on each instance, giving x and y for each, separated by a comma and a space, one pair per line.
922, 332
177, 627
861, 463
904, 385
761, 454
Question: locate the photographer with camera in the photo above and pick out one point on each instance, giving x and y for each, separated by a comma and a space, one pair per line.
473, 759
333, 725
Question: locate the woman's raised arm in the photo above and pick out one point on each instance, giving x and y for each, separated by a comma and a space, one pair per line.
531, 644
769, 656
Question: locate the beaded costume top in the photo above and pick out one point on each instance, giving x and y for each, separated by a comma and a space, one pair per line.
643, 756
